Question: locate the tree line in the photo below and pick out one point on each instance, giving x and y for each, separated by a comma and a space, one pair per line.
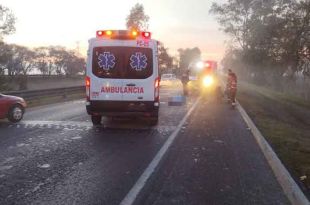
16, 61
52, 60
268, 38
21, 60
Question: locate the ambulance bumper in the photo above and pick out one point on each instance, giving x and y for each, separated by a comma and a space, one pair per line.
122, 108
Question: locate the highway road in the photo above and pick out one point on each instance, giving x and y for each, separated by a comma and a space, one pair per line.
56, 156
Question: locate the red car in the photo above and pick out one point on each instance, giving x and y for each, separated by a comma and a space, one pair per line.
12, 107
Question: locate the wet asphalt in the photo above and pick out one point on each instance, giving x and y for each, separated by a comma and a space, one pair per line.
56, 156
214, 161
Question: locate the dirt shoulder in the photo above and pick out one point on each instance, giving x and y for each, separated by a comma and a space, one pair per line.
285, 123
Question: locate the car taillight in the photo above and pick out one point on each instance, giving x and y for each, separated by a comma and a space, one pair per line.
156, 87
87, 85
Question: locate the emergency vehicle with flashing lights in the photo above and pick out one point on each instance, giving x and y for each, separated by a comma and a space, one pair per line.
202, 77
122, 77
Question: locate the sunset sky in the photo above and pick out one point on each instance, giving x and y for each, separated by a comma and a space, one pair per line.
177, 23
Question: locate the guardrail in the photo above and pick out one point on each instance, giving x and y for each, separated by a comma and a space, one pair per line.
54, 92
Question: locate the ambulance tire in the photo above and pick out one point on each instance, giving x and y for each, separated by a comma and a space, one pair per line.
96, 119
153, 121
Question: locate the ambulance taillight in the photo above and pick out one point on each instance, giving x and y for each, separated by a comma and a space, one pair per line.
156, 89
87, 86
146, 35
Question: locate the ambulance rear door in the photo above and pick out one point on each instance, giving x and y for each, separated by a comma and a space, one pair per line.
106, 71
141, 72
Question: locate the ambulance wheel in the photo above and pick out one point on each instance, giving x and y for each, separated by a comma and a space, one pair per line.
96, 119
153, 121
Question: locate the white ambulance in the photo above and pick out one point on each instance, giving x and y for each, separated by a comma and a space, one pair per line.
122, 76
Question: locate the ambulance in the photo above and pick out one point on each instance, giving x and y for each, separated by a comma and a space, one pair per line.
122, 77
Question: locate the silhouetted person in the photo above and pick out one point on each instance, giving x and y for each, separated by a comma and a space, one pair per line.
232, 86
185, 79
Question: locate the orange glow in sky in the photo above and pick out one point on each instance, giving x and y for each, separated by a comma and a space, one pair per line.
177, 23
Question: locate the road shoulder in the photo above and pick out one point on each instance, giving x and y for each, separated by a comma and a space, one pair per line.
215, 160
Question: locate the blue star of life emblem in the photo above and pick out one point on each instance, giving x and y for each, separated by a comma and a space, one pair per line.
138, 61
106, 61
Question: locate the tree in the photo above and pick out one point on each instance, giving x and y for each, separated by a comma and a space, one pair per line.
58, 54
7, 22
5, 56
271, 35
41, 59
137, 19
74, 64
187, 56
22, 61
165, 61
62, 61
298, 34
234, 17
7, 26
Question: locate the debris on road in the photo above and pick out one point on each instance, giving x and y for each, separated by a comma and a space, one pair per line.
44, 166
176, 100
218, 141
2, 168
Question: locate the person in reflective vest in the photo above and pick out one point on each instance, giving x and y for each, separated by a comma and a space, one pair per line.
231, 86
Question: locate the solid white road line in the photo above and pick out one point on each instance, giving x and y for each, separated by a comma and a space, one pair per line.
136, 189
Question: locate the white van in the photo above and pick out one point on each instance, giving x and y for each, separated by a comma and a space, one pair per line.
122, 75
168, 79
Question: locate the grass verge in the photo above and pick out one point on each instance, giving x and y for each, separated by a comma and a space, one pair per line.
285, 123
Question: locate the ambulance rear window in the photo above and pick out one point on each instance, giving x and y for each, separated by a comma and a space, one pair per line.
122, 62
